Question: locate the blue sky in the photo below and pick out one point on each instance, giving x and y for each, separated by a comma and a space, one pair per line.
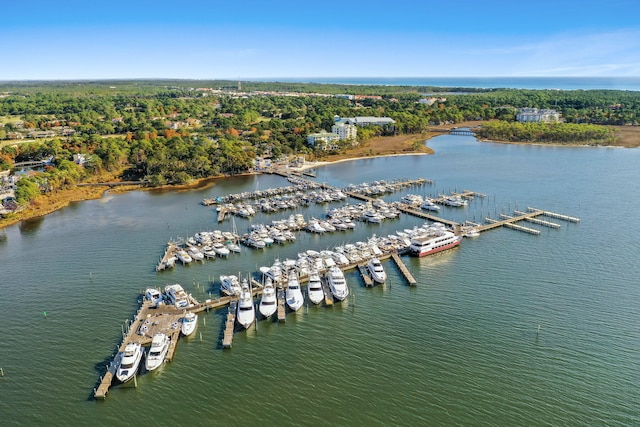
269, 39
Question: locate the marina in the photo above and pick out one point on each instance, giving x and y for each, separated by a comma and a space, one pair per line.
153, 319
478, 306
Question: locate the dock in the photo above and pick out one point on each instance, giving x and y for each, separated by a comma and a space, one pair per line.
328, 295
169, 253
282, 310
229, 326
366, 277
403, 269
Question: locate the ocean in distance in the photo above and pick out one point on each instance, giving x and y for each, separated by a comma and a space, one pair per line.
460, 348
561, 83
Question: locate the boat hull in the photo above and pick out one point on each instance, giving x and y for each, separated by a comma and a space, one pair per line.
424, 253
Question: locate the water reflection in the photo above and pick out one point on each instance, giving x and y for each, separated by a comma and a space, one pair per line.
32, 225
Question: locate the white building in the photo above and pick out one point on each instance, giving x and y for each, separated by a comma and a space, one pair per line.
365, 120
536, 115
323, 140
345, 131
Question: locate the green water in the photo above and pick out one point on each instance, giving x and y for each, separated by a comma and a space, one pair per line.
460, 348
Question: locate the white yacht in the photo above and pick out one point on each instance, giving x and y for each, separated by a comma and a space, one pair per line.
184, 257
221, 249
294, 293
429, 205
373, 216
233, 247
230, 284
157, 351
314, 288
455, 201
376, 270
189, 324
428, 244
154, 296
337, 283
177, 295
195, 254
209, 252
246, 313
268, 301
130, 362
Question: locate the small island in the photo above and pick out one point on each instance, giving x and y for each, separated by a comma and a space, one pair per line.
67, 141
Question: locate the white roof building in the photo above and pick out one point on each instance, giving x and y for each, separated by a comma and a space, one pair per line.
536, 115
344, 130
365, 120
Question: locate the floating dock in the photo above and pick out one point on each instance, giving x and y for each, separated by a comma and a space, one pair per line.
403, 269
229, 326
282, 310
366, 277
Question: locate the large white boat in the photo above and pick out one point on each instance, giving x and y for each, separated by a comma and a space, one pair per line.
268, 301
376, 270
230, 284
454, 201
246, 313
221, 249
314, 287
184, 257
337, 283
293, 295
195, 253
177, 295
189, 323
157, 351
430, 244
429, 205
130, 362
154, 296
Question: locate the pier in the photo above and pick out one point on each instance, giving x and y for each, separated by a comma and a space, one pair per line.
366, 276
282, 310
403, 269
229, 326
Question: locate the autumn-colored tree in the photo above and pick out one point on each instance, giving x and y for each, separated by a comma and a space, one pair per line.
233, 132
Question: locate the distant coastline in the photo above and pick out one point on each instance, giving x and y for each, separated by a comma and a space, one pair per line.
537, 83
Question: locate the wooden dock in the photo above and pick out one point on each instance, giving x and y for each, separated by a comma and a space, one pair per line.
229, 326
328, 295
366, 277
403, 269
169, 252
555, 215
282, 310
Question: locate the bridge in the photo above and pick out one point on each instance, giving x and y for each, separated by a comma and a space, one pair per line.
33, 163
465, 132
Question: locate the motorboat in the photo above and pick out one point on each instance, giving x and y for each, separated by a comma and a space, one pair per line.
337, 283
130, 361
189, 323
376, 270
373, 217
233, 247
314, 288
195, 254
221, 249
429, 205
246, 313
154, 296
177, 295
428, 244
183, 256
157, 351
230, 284
454, 201
293, 294
209, 252
268, 302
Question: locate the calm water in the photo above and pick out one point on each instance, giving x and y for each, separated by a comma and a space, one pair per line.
461, 348
564, 83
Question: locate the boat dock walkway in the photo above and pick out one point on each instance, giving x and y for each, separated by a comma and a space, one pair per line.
403, 269
282, 310
229, 326
169, 253
366, 276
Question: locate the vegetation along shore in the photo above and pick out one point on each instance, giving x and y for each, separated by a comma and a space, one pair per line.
57, 136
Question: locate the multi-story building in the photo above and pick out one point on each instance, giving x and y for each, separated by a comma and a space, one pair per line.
536, 115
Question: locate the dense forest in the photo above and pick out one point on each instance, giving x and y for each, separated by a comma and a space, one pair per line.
172, 131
